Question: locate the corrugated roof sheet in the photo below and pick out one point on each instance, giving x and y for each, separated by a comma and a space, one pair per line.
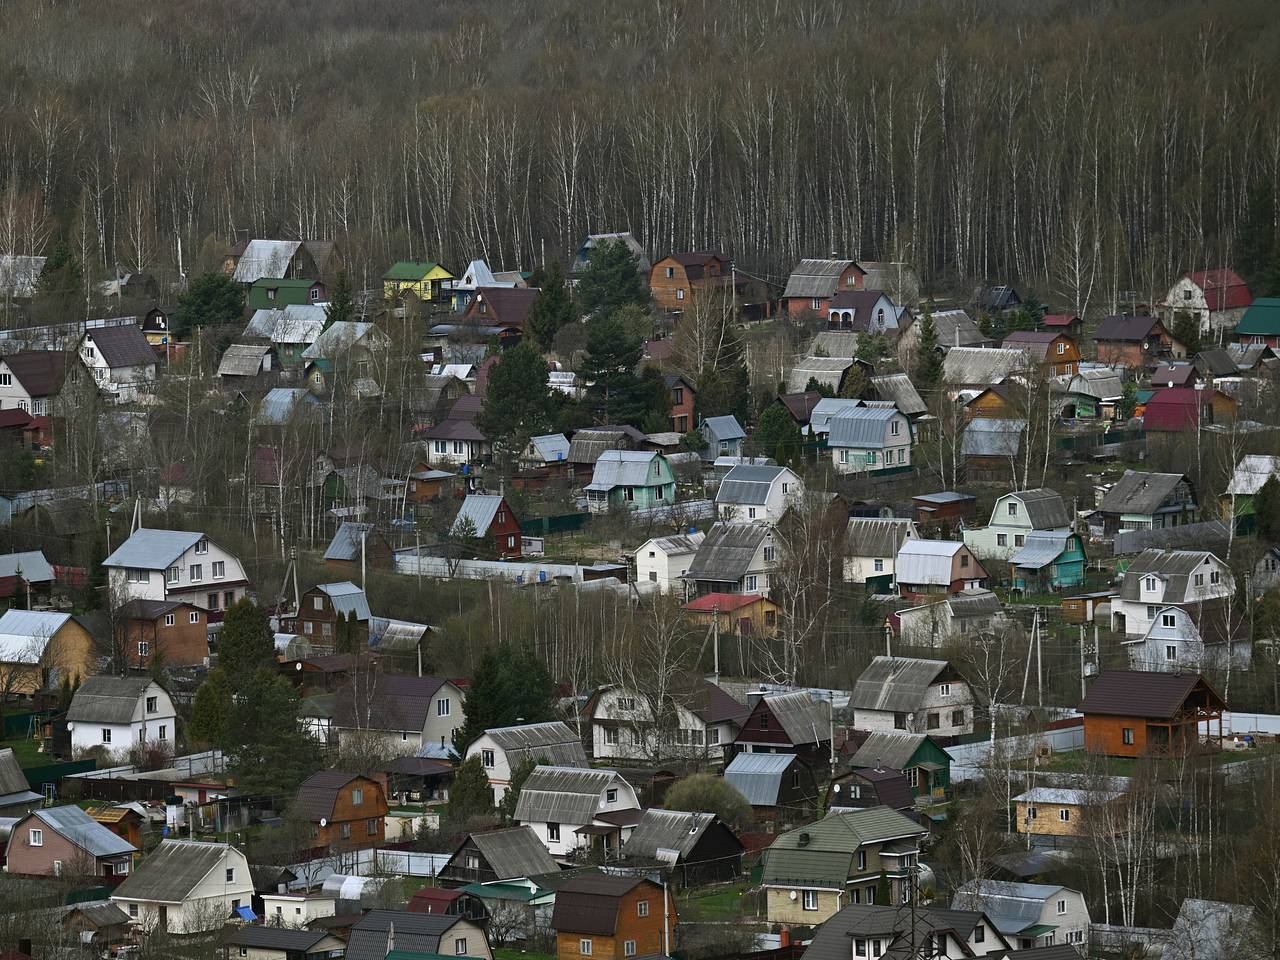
19, 275
815, 278
828, 371
24, 634
318, 794
1139, 492
149, 549
421, 932
553, 742
340, 336
804, 718
551, 447
895, 684
242, 360
876, 536
749, 484
265, 258
898, 388
171, 871
122, 346
724, 428
1041, 548
345, 544
820, 853
11, 777
284, 939
926, 561
667, 830
1250, 474
827, 409
727, 553
863, 428
1174, 567
985, 437
293, 324
346, 597
280, 403
626, 468
397, 703
975, 366
514, 852
479, 509
1210, 930
893, 750
565, 795
31, 564
104, 699
1065, 795
84, 831
757, 776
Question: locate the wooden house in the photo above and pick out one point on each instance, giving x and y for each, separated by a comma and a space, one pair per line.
912, 695
682, 400
635, 479
1067, 323
490, 519
420, 279
813, 284
1148, 501
601, 917
945, 507
926, 765
1060, 812
38, 649
706, 848
780, 787
506, 308
1056, 353
251, 260
344, 811
674, 279
934, 567
793, 722
1130, 713
1048, 561
269, 293
1136, 342
511, 853
1182, 409
356, 546
323, 606
739, 614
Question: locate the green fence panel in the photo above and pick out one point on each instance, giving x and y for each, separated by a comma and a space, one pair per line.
53, 772
17, 726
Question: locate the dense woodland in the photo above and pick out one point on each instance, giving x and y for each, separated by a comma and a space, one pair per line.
1087, 149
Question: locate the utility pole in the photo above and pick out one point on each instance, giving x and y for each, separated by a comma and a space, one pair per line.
1039, 662
1082, 690
417, 555
364, 533
715, 640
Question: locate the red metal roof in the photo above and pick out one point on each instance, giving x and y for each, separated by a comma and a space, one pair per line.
1223, 289
724, 602
432, 900
1173, 408
1058, 319
14, 418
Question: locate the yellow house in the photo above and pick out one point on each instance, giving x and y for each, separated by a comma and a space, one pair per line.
420, 278
38, 649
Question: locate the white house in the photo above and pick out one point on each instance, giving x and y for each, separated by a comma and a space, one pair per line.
703, 719
31, 380
757, 493
958, 616
179, 565
1188, 641
826, 410
1029, 914
1013, 517
120, 711
871, 546
914, 696
869, 438
1216, 298
186, 886
566, 807
734, 558
665, 560
406, 713
120, 359
1160, 578
502, 749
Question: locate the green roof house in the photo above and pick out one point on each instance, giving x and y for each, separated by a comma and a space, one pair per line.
1261, 323
268, 293
421, 278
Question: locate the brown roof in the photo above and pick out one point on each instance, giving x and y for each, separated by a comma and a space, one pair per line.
122, 346
138, 609
397, 702
1035, 342
800, 405
1127, 329
40, 372
506, 306
1133, 693
695, 263
589, 903
319, 792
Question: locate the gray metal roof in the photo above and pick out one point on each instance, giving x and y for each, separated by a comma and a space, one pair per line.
151, 549
280, 403
893, 750
480, 509
804, 718
420, 932
553, 742
551, 447
242, 360
291, 325
896, 684
974, 366
815, 278
265, 258
956, 329
836, 343
1174, 567
876, 536
172, 870
724, 428
1209, 930
1251, 473
567, 795
345, 544
667, 830
1041, 548
288, 940
974, 603
24, 634
30, 563
748, 483
827, 409
103, 699
898, 388
85, 832
345, 597
828, 371
1139, 492
1045, 508
681, 543
862, 428
727, 553
11, 778
985, 437
341, 336
514, 852
757, 776
627, 468
926, 561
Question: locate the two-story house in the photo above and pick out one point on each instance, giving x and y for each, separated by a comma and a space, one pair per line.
120, 360
696, 720
926, 568
757, 493
913, 696
634, 479
503, 749
706, 848
781, 788
1013, 517
1029, 914
734, 558
344, 811
810, 872
863, 930
956, 616
1049, 560
795, 722
1217, 299
863, 311
665, 560
600, 917
1163, 578
402, 713
186, 886
401, 933
674, 279
924, 764
421, 279
32, 380
66, 841
180, 565
870, 438
574, 810
323, 606
505, 309
38, 648
1136, 342
722, 436
813, 284
348, 358
118, 712
173, 631
683, 396
510, 853
1148, 501
489, 519
1055, 352
871, 546
268, 293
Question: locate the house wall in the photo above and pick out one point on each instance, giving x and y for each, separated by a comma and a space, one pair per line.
682, 409
14, 396
147, 726
895, 453
780, 908
356, 816
862, 569
22, 857
640, 720
934, 702
500, 773
1105, 735
181, 644
647, 931
672, 292
569, 840
782, 493
69, 652
444, 453
317, 619
209, 904
1072, 923
190, 585
989, 405
1048, 822
664, 569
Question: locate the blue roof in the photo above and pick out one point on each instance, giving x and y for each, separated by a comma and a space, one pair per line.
725, 428
152, 549
345, 544
861, 427
345, 597
84, 831
279, 404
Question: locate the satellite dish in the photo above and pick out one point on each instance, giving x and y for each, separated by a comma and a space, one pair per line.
793, 895
324, 821
298, 665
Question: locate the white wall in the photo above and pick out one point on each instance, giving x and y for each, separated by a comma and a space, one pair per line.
960, 697
664, 569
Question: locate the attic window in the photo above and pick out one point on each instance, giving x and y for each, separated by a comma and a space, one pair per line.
1166, 620
764, 721
671, 272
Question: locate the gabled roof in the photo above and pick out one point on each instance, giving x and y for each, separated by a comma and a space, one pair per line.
1124, 329
986, 437
679, 543
41, 372
1251, 473
85, 832
728, 551
862, 428
1045, 508
898, 389
893, 926
291, 325
480, 509
1041, 548
122, 346
1134, 693
758, 776
287, 940
819, 854
318, 794
876, 536
976, 365
340, 336
955, 328
24, 634
410, 270
897, 684
724, 428
242, 360
1174, 567
1210, 930
565, 795
667, 830
420, 932
1058, 319
104, 699
265, 258
551, 447
280, 403
973, 602
1223, 289
1139, 492
695, 263
802, 717
149, 549
722, 602
926, 561
398, 702
345, 544
1035, 342
552, 742
346, 597
514, 852
31, 564
590, 903
827, 409
828, 371
815, 278
1012, 907
749, 483
998, 296
1216, 362
1178, 373
626, 468
862, 304
13, 784
172, 870
893, 750
509, 306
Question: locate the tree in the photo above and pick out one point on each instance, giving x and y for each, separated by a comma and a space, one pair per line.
1266, 506
347, 635
814, 385
470, 796
59, 293
725, 391
1128, 400
518, 404
511, 795
611, 280
928, 359
617, 394
341, 307
777, 434
211, 713
704, 793
510, 685
269, 752
1256, 236
212, 300
245, 642
552, 309
1186, 328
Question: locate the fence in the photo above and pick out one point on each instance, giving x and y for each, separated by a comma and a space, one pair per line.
516, 572
1127, 941
968, 759
54, 772
545, 526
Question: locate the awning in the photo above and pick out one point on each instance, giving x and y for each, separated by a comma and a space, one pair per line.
1037, 930
596, 830
929, 765
246, 914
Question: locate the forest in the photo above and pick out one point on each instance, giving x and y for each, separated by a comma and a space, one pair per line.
1087, 149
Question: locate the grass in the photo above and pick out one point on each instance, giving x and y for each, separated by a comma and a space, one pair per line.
27, 752
1078, 761
723, 904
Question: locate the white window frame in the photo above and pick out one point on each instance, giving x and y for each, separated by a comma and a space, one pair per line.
809, 900
35, 837
443, 707
584, 946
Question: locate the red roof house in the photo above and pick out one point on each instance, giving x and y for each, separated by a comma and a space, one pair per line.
1223, 289
1175, 409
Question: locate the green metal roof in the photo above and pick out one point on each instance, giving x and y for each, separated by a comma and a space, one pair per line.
1037, 930
1261, 318
410, 270
819, 854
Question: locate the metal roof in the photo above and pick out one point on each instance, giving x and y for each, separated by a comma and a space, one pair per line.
318, 794
1140, 493
287, 939
1041, 548
1012, 907
956, 328
293, 324
1174, 567
24, 634
667, 830
876, 536
1082, 798
828, 371
30, 563
862, 428
974, 366
898, 388
346, 597
480, 509
724, 428
340, 336
985, 437
265, 258
103, 699
149, 549
681, 543
242, 360
122, 346
728, 552
345, 544
887, 750
553, 742
1251, 473
1150, 695
12, 779
551, 447
815, 278
565, 795
398, 702
1045, 508
827, 409
896, 684
627, 468
514, 852
974, 603
171, 871
926, 561
820, 854
280, 403
803, 717
893, 926
749, 483
421, 932
85, 832
757, 776
1125, 329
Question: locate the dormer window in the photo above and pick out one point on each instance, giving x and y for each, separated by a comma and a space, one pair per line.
1149, 584
1013, 508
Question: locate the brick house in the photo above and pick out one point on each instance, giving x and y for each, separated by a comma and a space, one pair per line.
813, 284
611, 918
682, 398
66, 841
175, 630
345, 811
1136, 342
674, 278
322, 606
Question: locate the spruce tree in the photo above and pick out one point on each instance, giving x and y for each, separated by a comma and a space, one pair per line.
552, 309
928, 366
611, 280
518, 404
245, 643
341, 306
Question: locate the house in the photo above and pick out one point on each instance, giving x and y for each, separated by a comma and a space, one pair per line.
1130, 713
723, 437
1217, 299
1049, 561
262, 942
506, 308
118, 712
287, 330
863, 311
397, 934
402, 713
794, 722
280, 407
1028, 914
1013, 517
1185, 408
323, 607
735, 614
27, 574
781, 788
997, 298
347, 358
944, 507
842, 857
511, 853
700, 846
38, 649
66, 841
455, 441
242, 362
682, 402
601, 917
119, 358
582, 257
922, 760
250, 260
1089, 394
271, 293
864, 787
828, 372
870, 439
674, 278
99, 924
954, 328
932, 567
586, 446
976, 368
19, 275
871, 546
1183, 640
186, 886
900, 280
488, 517
757, 492
571, 809
734, 558
862, 930
344, 811
502, 750
631, 479
477, 275
991, 448
180, 565
1175, 373
356, 546
1161, 578
897, 389
913, 696
421, 279
32, 380
1055, 352
1136, 342
1148, 501
828, 409
1059, 812
697, 720
665, 560
1067, 323
124, 821
16, 796
1000, 401
1211, 930
813, 284
954, 618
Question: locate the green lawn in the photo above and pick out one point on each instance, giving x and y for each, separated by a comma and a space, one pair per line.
27, 752
723, 904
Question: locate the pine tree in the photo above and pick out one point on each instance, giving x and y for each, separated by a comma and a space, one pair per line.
510, 685
211, 713
59, 293
470, 795
518, 404
928, 366
511, 796
1128, 400
616, 393
245, 643
268, 750
212, 300
1186, 329
552, 309
341, 307
777, 434
1266, 506
611, 280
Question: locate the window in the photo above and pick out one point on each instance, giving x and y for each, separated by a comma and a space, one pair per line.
357, 796
1031, 813
1002, 539
932, 722
202, 546
768, 551
122, 868
229, 598
1013, 508
671, 272
1062, 348
460, 946
317, 603
764, 721
913, 777
553, 832
1151, 612
486, 758
611, 736
642, 908
193, 616
1171, 651
1064, 814
944, 689
964, 560
106, 734
219, 569
626, 703
611, 795
635, 737
862, 860
810, 900
134, 575
152, 704
211, 601
231, 874
36, 837
815, 303
750, 584
1149, 583
440, 446
371, 826
1126, 735
1166, 619
6, 380
859, 948
345, 831
196, 572
715, 736
173, 574
144, 648
473, 861
1062, 907
895, 428
584, 946
313, 294
1018, 539
957, 718
979, 934
1199, 579
168, 619
680, 294
1215, 577
271, 295
442, 707
899, 721
751, 515
877, 565
511, 541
